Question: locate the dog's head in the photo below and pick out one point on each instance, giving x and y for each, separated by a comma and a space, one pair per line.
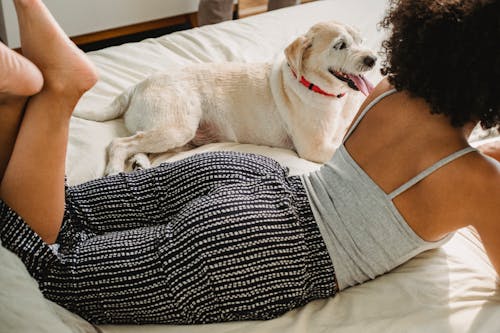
331, 56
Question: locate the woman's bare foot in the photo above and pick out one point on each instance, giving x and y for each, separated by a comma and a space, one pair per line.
63, 65
18, 75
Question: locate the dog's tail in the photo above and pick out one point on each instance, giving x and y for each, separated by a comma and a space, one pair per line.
112, 111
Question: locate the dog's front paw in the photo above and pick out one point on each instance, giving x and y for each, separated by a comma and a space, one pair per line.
139, 162
112, 170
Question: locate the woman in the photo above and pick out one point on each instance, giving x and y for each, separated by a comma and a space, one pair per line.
229, 236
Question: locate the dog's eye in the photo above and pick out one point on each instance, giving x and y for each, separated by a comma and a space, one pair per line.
340, 45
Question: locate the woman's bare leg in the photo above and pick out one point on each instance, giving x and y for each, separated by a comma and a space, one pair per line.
33, 183
19, 78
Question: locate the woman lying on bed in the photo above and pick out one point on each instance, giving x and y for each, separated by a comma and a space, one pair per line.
229, 236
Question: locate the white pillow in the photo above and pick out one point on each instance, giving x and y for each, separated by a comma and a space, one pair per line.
23, 309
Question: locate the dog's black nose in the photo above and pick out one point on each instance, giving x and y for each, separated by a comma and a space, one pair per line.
369, 61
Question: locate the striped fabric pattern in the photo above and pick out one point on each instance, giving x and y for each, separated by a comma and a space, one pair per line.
216, 237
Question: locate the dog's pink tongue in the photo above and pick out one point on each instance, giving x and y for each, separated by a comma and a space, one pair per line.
362, 83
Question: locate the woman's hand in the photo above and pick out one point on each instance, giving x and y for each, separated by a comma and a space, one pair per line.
491, 149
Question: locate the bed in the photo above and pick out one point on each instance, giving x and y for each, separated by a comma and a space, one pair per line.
452, 289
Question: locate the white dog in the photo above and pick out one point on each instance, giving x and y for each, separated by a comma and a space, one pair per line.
301, 102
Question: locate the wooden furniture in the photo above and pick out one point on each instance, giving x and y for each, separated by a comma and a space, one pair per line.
93, 20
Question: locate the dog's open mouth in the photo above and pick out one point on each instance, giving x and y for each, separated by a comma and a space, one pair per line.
354, 81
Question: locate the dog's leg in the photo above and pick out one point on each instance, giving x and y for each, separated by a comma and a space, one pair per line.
154, 141
313, 148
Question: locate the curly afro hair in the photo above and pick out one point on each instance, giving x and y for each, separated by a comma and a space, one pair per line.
448, 53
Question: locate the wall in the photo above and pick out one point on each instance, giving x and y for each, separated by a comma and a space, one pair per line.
83, 17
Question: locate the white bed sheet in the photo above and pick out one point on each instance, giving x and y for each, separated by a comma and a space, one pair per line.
453, 289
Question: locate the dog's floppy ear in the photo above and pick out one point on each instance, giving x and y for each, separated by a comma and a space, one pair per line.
355, 33
295, 52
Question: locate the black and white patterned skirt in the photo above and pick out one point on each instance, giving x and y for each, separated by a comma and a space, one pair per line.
215, 237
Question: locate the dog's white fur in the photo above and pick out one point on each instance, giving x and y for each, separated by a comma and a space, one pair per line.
246, 103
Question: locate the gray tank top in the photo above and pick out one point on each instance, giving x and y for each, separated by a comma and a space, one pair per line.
365, 234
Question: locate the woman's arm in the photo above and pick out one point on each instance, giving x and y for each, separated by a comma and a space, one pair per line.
489, 236
488, 210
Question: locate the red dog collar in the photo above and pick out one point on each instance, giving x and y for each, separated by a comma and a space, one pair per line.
315, 88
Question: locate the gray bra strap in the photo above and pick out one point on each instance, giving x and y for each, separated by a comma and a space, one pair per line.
430, 170
367, 108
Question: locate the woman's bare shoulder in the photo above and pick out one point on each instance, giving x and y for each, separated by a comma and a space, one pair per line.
379, 89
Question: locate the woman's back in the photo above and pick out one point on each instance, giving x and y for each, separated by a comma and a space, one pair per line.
399, 138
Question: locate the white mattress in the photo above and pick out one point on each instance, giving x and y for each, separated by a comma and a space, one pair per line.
453, 289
